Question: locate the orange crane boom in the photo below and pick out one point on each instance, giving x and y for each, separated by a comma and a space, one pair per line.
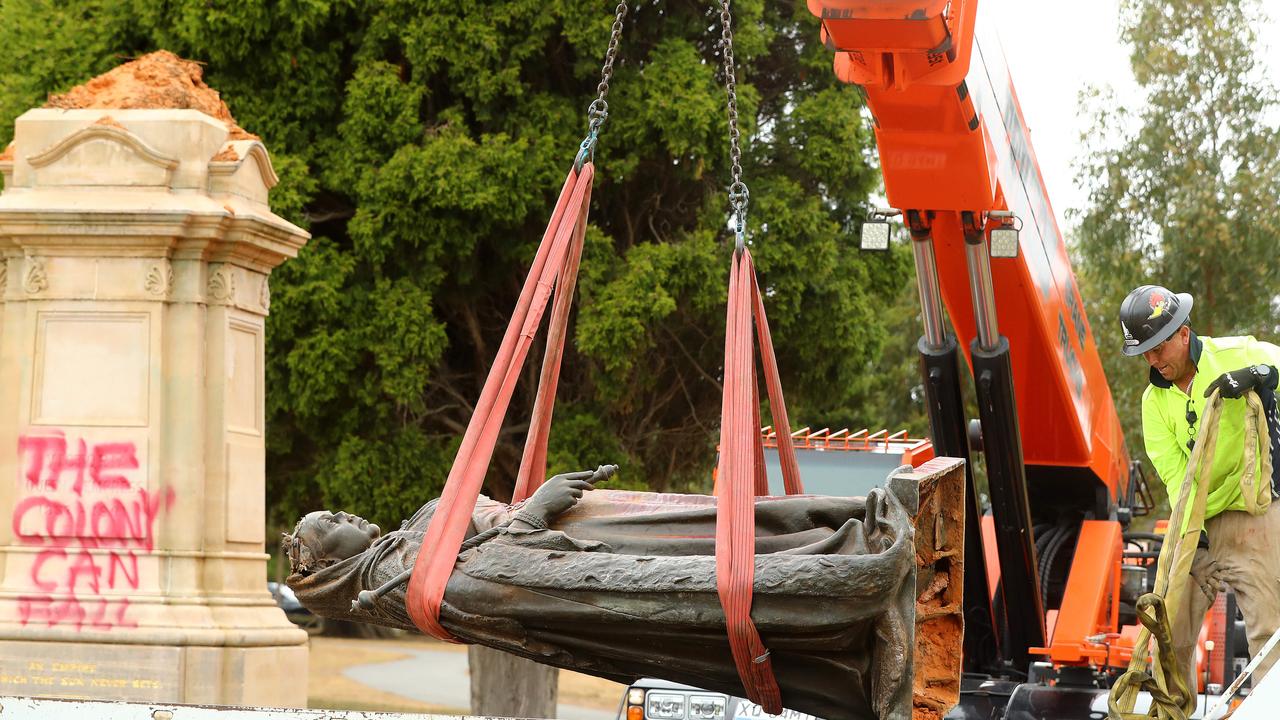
958, 161
951, 137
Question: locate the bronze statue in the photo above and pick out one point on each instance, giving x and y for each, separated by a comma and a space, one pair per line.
622, 585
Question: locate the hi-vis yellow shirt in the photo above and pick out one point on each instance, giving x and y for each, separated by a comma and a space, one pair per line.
1165, 430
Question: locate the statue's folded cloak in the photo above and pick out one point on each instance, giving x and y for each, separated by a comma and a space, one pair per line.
623, 586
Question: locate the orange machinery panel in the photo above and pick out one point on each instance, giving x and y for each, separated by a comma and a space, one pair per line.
952, 138
891, 43
1091, 603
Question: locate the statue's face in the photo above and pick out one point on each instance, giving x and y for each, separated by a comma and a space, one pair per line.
333, 537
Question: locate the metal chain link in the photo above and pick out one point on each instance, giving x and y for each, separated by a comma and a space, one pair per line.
598, 110
739, 195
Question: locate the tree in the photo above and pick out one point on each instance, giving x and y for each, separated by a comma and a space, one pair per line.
1189, 195
423, 143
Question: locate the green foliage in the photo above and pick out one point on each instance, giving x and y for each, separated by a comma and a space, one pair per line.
423, 144
1185, 189
52, 46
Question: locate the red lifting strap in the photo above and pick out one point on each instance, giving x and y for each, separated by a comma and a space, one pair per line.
554, 267
777, 404
741, 472
533, 464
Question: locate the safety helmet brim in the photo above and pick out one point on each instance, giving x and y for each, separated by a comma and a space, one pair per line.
1178, 320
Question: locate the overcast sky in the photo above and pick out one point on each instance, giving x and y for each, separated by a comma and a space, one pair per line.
1055, 50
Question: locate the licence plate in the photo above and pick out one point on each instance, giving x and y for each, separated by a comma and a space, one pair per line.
748, 710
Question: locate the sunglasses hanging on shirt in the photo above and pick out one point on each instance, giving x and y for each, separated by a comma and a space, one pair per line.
1191, 426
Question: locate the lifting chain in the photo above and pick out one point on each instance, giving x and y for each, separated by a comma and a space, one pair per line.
598, 110
739, 196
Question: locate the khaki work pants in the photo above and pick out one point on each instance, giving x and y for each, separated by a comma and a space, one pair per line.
1243, 554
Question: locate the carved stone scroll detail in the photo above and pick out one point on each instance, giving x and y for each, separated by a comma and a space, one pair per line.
159, 280
37, 280
222, 284
264, 295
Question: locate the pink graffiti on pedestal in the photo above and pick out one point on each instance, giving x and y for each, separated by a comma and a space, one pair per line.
79, 497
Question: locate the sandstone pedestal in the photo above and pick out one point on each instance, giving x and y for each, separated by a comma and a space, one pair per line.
137, 248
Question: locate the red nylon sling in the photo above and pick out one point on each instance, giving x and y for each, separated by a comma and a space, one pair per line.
533, 463
554, 269
777, 404
560, 249
791, 482
761, 472
741, 471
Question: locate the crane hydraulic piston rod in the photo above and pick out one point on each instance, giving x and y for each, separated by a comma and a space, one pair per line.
1002, 448
921, 226
940, 370
980, 286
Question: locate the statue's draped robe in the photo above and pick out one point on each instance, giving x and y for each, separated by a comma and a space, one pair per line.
623, 586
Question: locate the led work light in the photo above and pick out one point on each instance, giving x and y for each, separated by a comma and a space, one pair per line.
1004, 237
875, 231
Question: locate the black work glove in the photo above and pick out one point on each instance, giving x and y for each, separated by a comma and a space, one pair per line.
559, 493
1236, 383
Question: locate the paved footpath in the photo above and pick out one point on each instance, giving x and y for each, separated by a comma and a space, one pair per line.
450, 683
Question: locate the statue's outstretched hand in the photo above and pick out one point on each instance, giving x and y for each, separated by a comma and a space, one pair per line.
558, 494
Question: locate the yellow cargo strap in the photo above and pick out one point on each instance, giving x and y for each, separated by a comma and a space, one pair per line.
1171, 699
1256, 487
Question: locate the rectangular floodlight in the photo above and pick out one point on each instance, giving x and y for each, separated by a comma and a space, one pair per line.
875, 235
1004, 242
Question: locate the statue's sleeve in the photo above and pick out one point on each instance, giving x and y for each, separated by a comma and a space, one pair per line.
422, 517
490, 513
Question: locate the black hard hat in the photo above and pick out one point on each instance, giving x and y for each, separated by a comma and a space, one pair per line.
1150, 315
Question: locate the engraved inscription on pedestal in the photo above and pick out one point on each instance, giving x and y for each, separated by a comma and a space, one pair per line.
117, 672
